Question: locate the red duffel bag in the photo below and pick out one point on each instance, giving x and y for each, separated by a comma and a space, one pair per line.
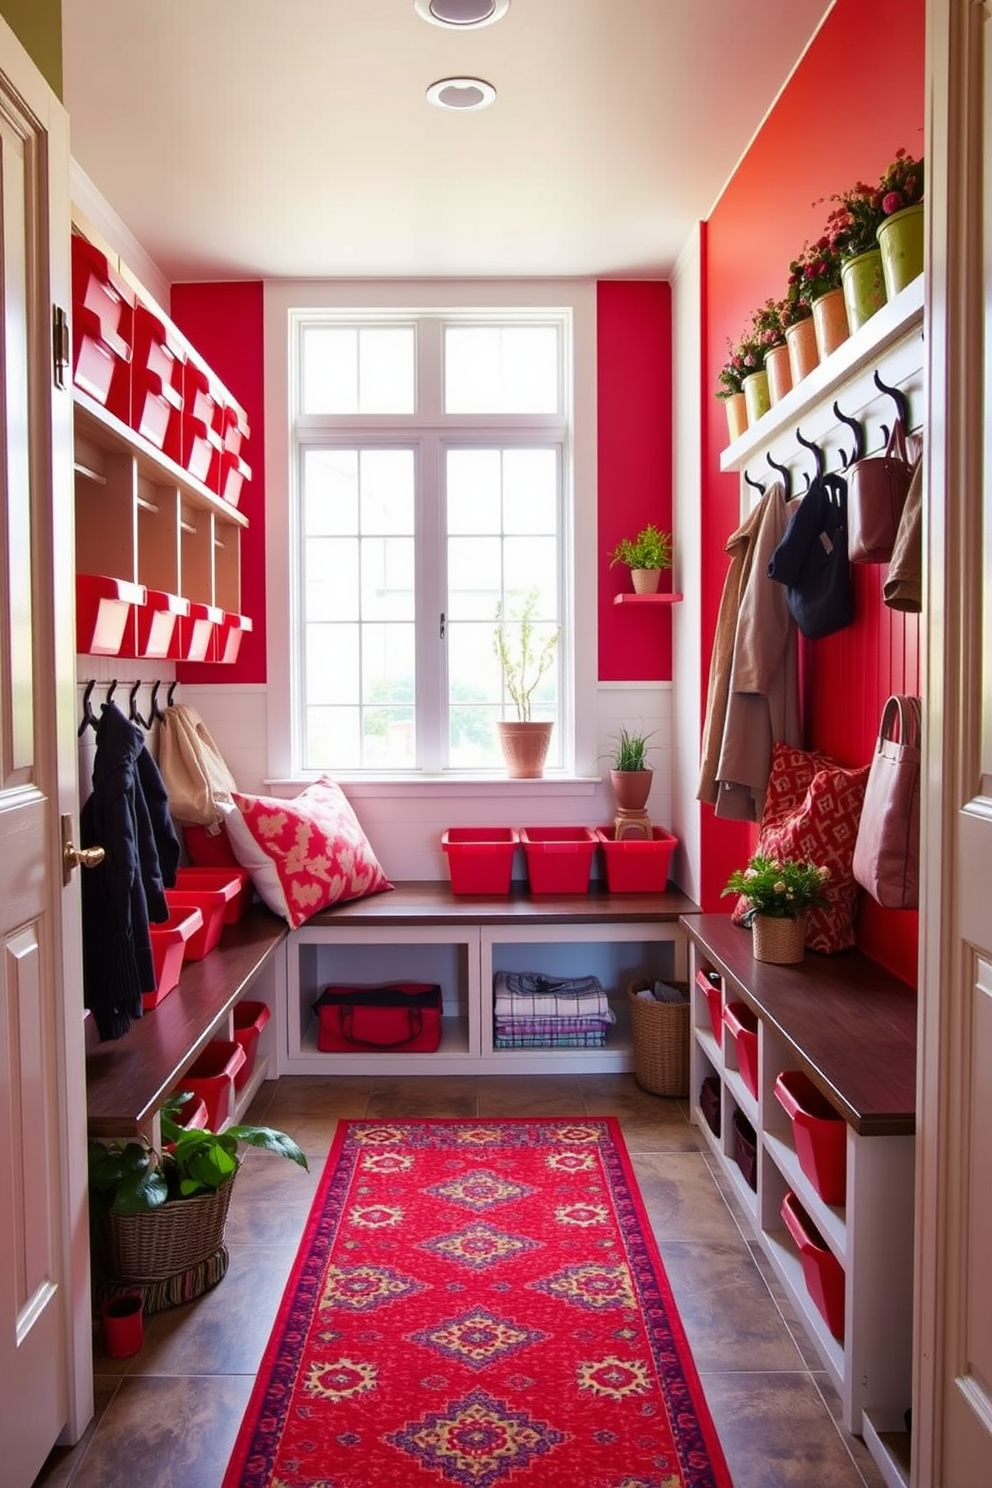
390, 1015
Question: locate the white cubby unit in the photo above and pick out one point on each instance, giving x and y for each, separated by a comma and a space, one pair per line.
423, 932
847, 1028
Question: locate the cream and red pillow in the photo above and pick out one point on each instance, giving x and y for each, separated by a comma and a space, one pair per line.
812, 810
306, 853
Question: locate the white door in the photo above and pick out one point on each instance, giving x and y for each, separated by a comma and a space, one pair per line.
952, 1423
45, 1342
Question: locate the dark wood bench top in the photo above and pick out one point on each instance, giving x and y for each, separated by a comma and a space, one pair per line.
433, 903
850, 1023
128, 1079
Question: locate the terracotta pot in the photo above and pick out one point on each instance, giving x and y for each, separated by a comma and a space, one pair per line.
736, 415
756, 396
631, 788
645, 580
782, 942
863, 283
804, 354
779, 372
525, 748
900, 239
830, 322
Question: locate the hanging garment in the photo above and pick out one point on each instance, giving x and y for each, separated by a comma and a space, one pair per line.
127, 815
753, 698
194, 770
903, 589
811, 560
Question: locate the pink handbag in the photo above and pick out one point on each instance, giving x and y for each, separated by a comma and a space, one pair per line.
887, 849
877, 487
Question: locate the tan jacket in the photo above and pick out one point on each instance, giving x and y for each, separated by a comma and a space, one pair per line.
753, 697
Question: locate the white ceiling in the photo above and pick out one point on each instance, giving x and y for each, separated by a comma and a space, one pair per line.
292, 138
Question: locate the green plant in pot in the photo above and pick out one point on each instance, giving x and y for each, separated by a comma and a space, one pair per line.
630, 773
158, 1218
526, 651
646, 555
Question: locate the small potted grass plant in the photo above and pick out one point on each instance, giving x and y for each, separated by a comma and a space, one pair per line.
630, 774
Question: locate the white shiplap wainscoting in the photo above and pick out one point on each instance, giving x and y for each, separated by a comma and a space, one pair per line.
404, 821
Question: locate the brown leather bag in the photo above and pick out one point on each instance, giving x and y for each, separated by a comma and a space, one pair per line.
877, 487
887, 849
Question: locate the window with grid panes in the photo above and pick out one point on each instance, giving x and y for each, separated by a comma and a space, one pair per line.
430, 454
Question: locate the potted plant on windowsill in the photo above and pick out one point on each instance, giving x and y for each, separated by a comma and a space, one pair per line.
630, 774
158, 1219
526, 650
646, 555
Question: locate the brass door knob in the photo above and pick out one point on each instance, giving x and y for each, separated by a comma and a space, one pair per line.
77, 857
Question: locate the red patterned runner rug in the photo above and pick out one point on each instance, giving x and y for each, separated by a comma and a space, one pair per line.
478, 1303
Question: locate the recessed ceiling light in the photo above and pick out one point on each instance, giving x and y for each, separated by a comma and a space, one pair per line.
463, 13
461, 93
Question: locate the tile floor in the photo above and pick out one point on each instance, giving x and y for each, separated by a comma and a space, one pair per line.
168, 1417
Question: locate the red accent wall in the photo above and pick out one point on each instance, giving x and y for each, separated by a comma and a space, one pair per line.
634, 432
224, 322
857, 95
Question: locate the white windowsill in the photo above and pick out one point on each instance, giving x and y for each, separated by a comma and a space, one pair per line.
437, 785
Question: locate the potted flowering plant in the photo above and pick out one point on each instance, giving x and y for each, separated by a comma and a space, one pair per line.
853, 225
779, 892
900, 234
815, 277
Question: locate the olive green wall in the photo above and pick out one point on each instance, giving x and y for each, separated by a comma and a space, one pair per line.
38, 26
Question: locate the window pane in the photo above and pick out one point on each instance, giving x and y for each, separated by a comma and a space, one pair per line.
330, 369
331, 578
330, 491
387, 490
475, 577
385, 369
501, 369
473, 487
332, 663
530, 490
333, 734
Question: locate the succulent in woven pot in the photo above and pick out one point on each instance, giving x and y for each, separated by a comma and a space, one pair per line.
156, 1216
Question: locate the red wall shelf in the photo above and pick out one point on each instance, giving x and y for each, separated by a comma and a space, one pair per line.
646, 599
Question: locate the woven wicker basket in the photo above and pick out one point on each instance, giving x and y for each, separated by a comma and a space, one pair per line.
175, 1238
661, 1041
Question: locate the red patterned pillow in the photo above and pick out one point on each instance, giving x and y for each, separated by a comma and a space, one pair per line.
812, 810
304, 854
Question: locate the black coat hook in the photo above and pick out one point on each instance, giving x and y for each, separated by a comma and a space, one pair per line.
816, 451
899, 399
89, 719
785, 473
756, 485
859, 436
132, 708
111, 689
155, 714
170, 694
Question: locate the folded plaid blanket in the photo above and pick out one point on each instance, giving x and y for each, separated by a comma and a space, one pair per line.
549, 1040
549, 1027
528, 995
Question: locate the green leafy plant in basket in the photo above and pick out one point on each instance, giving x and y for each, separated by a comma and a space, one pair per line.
781, 889
130, 1177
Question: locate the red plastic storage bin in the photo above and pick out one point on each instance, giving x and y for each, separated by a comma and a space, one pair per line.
157, 620
212, 1078
169, 942
208, 849
202, 423
559, 859
743, 1027
193, 638
212, 904
157, 369
249, 1020
234, 471
234, 883
480, 859
713, 990
745, 1148
105, 614
636, 865
822, 1272
102, 329
235, 424
819, 1132
227, 637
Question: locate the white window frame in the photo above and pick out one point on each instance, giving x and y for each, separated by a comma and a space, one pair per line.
283, 299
